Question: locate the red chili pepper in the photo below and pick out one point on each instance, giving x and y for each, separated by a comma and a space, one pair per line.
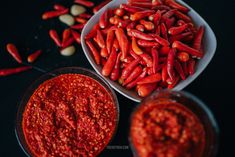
144, 43
134, 74
170, 63
100, 39
65, 36
119, 12
140, 27
86, 3
130, 26
123, 23
198, 38
76, 36
85, 15
128, 69
109, 40
183, 47
11, 71
147, 24
123, 41
175, 5
157, 2
157, 18
170, 22
134, 83
179, 69
55, 37
94, 51
68, 42
141, 14
162, 59
114, 20
128, 59
147, 5
178, 29
116, 70
155, 57
31, 58
133, 54
174, 82
80, 20
59, 7
140, 35
158, 30
161, 7
164, 50
92, 33
180, 37
103, 61
115, 44
146, 89
101, 5
78, 26
13, 51
183, 56
191, 66
108, 67
103, 22
52, 14
104, 53
151, 79
185, 68
164, 73
135, 47
147, 59
131, 9
182, 16
164, 31
168, 14
161, 40
126, 17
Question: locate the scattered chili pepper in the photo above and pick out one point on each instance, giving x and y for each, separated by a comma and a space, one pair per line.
76, 36
13, 51
85, 3
32, 57
55, 37
85, 15
59, 7
80, 20
65, 36
11, 71
52, 14
78, 26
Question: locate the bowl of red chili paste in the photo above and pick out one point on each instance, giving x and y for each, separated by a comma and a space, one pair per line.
173, 124
68, 112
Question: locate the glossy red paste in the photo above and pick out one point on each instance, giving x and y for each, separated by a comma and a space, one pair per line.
166, 129
69, 115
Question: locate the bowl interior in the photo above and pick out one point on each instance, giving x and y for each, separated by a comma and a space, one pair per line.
34, 86
209, 47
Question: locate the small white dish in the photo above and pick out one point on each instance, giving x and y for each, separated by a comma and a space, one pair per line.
209, 43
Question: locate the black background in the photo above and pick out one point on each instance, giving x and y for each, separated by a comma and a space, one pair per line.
20, 23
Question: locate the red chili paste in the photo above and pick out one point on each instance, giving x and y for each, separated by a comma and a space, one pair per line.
69, 115
166, 129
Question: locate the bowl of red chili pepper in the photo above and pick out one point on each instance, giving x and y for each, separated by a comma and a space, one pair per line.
176, 124
67, 112
140, 46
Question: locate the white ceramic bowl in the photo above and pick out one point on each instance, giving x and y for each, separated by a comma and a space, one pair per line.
209, 43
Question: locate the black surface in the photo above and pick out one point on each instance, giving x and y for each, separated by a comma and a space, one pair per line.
20, 22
